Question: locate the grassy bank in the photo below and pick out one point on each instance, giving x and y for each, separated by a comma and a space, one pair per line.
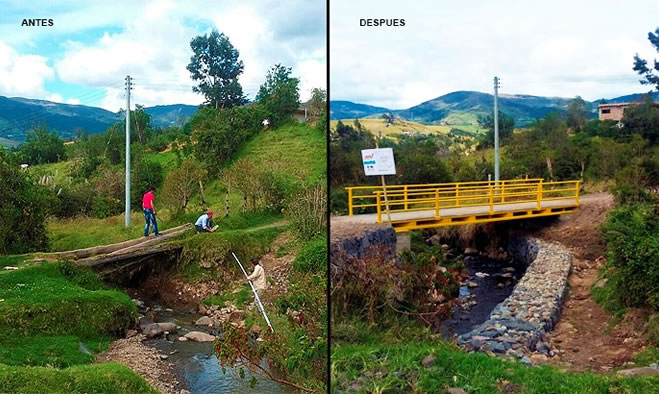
398, 368
57, 316
100, 378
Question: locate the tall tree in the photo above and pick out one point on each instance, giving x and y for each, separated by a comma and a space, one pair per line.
650, 75
506, 127
318, 102
216, 66
279, 93
576, 114
42, 146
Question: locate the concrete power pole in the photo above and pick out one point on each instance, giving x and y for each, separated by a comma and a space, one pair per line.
127, 223
496, 130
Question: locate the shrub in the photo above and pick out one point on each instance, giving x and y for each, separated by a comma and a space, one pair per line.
312, 257
307, 211
23, 209
103, 207
632, 236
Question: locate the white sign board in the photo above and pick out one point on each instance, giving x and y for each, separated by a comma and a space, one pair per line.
379, 161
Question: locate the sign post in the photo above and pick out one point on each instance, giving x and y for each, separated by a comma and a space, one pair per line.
380, 162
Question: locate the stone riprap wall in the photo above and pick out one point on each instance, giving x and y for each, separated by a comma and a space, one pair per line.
518, 325
377, 242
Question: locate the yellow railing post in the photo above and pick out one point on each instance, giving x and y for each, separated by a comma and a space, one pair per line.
457, 194
405, 196
539, 197
436, 202
350, 201
491, 200
577, 192
377, 203
503, 191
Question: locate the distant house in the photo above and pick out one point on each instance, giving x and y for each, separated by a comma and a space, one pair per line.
302, 113
615, 111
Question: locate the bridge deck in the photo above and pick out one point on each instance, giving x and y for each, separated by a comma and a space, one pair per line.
405, 221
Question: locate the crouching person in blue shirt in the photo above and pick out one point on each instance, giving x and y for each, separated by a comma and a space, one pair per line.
204, 224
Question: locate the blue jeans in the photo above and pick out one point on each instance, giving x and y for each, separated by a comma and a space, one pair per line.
150, 219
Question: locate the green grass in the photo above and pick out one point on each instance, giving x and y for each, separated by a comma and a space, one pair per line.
98, 378
217, 247
83, 232
59, 315
475, 373
284, 249
51, 299
238, 298
647, 356
60, 171
607, 296
296, 150
12, 261
51, 350
167, 160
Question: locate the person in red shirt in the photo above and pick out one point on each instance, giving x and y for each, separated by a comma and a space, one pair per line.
149, 212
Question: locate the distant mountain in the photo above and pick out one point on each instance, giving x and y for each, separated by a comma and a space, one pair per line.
450, 107
628, 98
171, 115
18, 115
350, 110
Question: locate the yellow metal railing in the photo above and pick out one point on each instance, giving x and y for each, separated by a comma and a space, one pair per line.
408, 198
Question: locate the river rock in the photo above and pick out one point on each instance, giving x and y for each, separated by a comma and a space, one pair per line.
538, 358
182, 339
542, 348
643, 371
471, 284
204, 321
156, 329
469, 251
236, 316
455, 390
202, 309
199, 336
144, 322
428, 361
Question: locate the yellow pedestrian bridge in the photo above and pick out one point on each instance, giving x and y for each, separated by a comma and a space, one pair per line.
412, 207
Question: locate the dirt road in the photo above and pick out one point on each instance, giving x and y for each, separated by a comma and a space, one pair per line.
583, 337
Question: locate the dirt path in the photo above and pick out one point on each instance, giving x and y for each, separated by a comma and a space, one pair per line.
278, 268
582, 338
145, 361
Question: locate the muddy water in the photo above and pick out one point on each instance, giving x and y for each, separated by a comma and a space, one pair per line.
195, 364
487, 294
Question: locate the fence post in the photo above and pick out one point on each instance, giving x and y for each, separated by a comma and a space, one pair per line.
377, 203
503, 191
405, 196
539, 197
577, 192
437, 202
350, 201
457, 194
491, 200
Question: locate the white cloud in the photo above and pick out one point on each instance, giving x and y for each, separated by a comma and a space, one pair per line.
153, 47
23, 75
73, 101
55, 97
563, 48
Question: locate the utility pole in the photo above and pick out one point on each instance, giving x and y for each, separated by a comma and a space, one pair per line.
496, 130
127, 223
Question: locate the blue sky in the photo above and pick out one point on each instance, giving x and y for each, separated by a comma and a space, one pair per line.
558, 48
93, 45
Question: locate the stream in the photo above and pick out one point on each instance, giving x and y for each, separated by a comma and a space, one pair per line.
495, 282
195, 364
